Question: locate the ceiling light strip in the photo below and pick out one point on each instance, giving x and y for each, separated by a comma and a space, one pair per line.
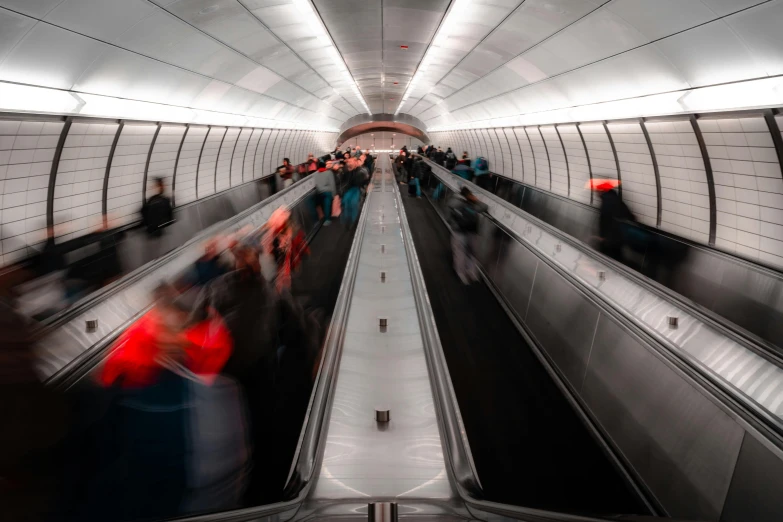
314, 21
37, 100
745, 95
450, 20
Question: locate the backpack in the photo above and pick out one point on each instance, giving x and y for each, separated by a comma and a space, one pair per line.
466, 218
451, 160
482, 163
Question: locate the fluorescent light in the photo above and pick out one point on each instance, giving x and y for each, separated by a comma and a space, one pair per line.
316, 26
751, 94
454, 18
26, 98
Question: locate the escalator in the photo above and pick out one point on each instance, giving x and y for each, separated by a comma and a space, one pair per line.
315, 287
515, 416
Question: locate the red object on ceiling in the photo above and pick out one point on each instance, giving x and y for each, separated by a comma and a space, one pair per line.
404, 47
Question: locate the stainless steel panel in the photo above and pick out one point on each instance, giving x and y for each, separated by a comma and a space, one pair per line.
404, 457
752, 299
681, 444
755, 490
515, 272
563, 322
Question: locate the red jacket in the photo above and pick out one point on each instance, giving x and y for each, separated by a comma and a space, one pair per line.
207, 347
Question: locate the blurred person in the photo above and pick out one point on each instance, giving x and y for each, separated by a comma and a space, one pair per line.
611, 218
464, 171
326, 190
356, 176
480, 168
93, 262
286, 172
439, 157
285, 245
312, 163
450, 159
157, 213
264, 324
417, 174
465, 159
399, 167
369, 163
209, 266
357, 152
464, 210
35, 421
161, 460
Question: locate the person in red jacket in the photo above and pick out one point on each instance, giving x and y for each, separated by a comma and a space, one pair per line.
139, 355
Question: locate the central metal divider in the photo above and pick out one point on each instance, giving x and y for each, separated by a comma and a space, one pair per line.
383, 440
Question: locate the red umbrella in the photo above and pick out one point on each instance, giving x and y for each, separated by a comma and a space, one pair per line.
601, 185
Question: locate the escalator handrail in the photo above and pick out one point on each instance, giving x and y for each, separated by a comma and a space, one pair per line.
457, 448
456, 445
74, 370
104, 293
312, 438
712, 250
735, 332
743, 408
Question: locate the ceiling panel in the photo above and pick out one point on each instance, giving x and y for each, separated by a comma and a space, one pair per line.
369, 39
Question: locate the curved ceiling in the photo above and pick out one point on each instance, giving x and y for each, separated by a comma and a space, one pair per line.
272, 60
318, 63
524, 57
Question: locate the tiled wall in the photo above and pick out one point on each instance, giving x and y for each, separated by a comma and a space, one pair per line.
748, 187
726, 190
28, 147
685, 205
187, 166
543, 177
238, 159
578, 164
78, 191
124, 194
557, 161
640, 191
528, 158
26, 153
226, 154
164, 157
599, 150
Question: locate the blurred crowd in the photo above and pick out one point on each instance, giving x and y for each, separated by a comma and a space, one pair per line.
180, 416
617, 234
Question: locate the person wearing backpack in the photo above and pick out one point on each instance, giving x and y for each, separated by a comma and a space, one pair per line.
481, 171
451, 159
464, 211
417, 172
356, 177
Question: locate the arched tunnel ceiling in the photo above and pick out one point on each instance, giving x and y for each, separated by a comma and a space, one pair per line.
451, 63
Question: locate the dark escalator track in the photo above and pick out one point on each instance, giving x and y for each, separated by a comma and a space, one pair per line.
315, 286
529, 446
